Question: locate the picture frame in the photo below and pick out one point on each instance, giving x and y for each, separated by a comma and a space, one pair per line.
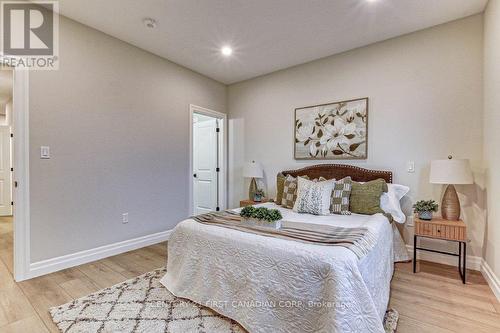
332, 131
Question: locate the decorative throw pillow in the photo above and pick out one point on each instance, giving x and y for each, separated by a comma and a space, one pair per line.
280, 184
390, 201
290, 191
313, 197
340, 196
365, 198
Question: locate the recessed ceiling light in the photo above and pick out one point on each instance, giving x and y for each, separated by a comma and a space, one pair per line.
149, 22
226, 51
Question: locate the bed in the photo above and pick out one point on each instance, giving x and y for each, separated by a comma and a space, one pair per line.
276, 285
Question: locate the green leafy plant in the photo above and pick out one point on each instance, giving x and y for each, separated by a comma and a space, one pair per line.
261, 213
425, 206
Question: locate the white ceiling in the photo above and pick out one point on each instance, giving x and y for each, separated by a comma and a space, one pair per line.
267, 35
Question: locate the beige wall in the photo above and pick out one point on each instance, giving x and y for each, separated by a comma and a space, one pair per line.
116, 119
425, 93
492, 131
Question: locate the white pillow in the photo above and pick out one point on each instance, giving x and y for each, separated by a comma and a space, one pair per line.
313, 197
390, 201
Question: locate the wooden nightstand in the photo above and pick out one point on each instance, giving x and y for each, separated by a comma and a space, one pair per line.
244, 203
438, 228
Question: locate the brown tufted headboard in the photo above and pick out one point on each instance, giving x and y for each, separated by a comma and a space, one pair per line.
339, 171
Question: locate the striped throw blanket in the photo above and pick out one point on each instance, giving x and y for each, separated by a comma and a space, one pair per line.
358, 240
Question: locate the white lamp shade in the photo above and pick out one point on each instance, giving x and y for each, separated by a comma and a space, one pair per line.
451, 171
253, 170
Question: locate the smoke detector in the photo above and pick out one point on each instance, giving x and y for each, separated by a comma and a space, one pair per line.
149, 22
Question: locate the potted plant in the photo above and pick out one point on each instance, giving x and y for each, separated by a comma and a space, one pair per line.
261, 216
424, 209
258, 195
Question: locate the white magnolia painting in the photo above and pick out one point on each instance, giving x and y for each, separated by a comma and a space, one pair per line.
332, 131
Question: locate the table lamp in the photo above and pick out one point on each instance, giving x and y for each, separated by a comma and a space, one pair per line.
252, 170
451, 172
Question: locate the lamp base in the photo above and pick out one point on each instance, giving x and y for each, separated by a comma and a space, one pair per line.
450, 206
252, 189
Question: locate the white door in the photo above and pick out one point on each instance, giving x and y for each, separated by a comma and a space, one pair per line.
5, 173
205, 182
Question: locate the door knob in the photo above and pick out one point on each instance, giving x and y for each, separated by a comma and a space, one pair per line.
195, 176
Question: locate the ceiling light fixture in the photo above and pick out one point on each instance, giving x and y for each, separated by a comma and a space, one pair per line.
226, 51
149, 22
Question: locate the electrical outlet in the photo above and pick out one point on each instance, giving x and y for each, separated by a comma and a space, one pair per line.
125, 218
409, 221
45, 152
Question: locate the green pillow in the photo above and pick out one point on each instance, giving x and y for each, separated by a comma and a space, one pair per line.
280, 185
365, 198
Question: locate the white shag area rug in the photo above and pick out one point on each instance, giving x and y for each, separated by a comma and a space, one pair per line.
144, 305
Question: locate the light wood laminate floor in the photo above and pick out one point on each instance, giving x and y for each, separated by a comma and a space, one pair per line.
434, 300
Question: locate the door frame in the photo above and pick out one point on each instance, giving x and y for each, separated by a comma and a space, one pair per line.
8, 167
20, 163
222, 181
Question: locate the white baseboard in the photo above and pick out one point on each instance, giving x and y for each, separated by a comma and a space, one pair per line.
70, 260
491, 278
473, 262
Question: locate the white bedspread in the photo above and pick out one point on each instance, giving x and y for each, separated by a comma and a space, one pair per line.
275, 285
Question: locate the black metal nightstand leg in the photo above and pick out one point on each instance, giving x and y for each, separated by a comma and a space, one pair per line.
465, 262
414, 253
460, 257
462, 260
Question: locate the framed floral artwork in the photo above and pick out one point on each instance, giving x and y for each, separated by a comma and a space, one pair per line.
332, 131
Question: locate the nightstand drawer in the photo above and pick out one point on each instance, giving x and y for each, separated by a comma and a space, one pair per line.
453, 230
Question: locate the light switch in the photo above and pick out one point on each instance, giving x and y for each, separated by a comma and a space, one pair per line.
411, 167
45, 152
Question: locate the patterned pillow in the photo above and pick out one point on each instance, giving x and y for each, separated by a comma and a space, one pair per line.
280, 184
290, 191
313, 197
340, 196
